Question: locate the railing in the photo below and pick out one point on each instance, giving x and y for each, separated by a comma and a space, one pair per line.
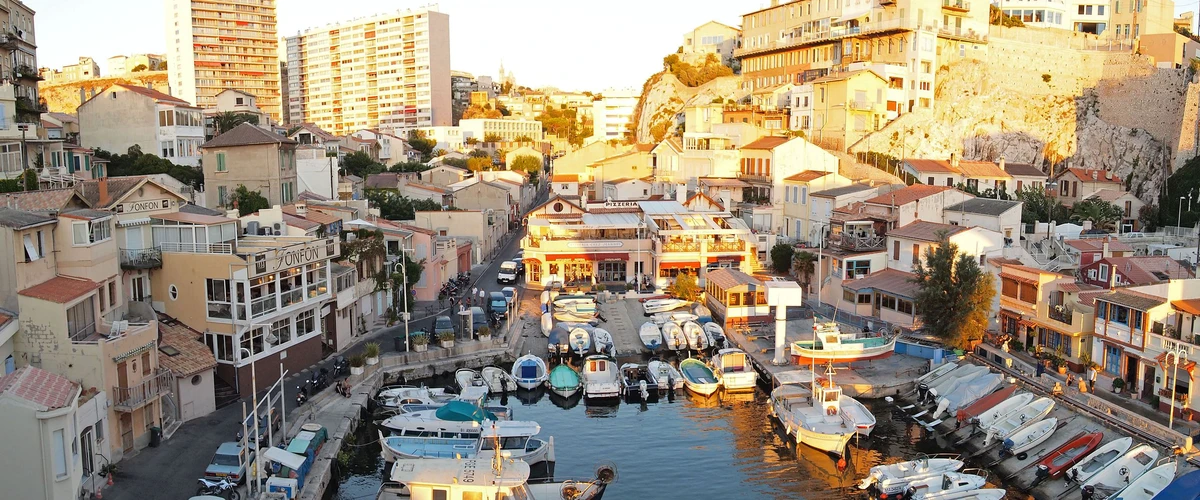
857, 243
173, 247
830, 34
127, 399
681, 246
724, 246
1180, 396
262, 305
753, 177
144, 258
1061, 313
957, 32
956, 5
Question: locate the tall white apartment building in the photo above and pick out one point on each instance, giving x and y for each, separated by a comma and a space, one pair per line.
389, 71
612, 112
214, 45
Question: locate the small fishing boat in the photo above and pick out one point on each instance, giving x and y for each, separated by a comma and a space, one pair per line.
545, 297
500, 412
935, 373
570, 301
676, 316
812, 419
831, 345
696, 338
558, 342
497, 379
547, 323
571, 316
580, 341
716, 334
1001, 410
1025, 439
892, 479
564, 381
733, 370
1020, 419
466, 377
1070, 453
529, 371
858, 415
698, 377
984, 404
651, 336
603, 342
394, 396
667, 376
1099, 459
643, 300
663, 305
1122, 471
638, 383
703, 313
673, 337
601, 377
943, 485
1149, 484
483, 479
954, 372
1185, 487
966, 394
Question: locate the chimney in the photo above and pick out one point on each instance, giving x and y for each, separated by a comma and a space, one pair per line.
1095, 174
1001, 162
1104, 249
954, 160
103, 186
301, 208
681, 193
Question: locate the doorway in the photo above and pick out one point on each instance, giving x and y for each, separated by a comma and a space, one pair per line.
139, 289
1148, 382
127, 432
1131, 366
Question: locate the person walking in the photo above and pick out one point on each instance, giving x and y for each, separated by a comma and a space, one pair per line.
482, 298
1041, 368
474, 292
1092, 379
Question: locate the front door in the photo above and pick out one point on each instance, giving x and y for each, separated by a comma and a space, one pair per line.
127, 432
1131, 366
1112, 360
1148, 382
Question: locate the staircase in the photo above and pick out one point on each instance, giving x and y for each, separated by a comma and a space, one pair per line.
225, 393
756, 266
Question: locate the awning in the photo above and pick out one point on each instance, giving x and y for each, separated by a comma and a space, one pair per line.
1019, 279
133, 222
731, 258
589, 256
1190, 306
1188, 365
284, 457
679, 265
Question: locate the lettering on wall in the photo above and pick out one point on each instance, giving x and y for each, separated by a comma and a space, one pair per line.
298, 257
134, 207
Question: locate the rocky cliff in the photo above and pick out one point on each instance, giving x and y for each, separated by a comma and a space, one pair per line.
664, 97
65, 97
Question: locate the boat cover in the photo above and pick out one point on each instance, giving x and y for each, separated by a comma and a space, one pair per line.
462, 411
563, 376
529, 370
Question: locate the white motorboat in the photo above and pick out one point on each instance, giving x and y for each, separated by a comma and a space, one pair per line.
956, 379
935, 373
1122, 471
601, 377
696, 338
1001, 410
651, 336
547, 324
981, 494
936, 378
467, 377
580, 341
733, 370
566, 301
673, 337
716, 334
603, 342
638, 383
452, 416
545, 297
572, 316
497, 379
813, 419
859, 415
1149, 484
483, 479
676, 316
967, 394
666, 374
516, 440
394, 396
559, 342
941, 486
1099, 459
1025, 439
530, 371
663, 305
892, 479
1019, 419
698, 377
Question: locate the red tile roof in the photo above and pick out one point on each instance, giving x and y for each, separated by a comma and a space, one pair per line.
193, 357
925, 230
806, 176
645, 148
154, 94
907, 195
1097, 244
304, 224
1149, 269
931, 166
310, 214
982, 169
767, 143
893, 281
1085, 174
61, 289
565, 178
40, 387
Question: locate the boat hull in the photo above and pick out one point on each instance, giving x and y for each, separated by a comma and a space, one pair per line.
808, 356
1067, 455
391, 453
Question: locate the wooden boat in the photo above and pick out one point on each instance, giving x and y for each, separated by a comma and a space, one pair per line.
733, 370
497, 379
602, 341
580, 341
1020, 419
638, 383
651, 336
698, 377
1001, 410
1185, 487
1149, 484
564, 381
984, 404
667, 376
1122, 471
663, 305
483, 479
831, 345
673, 337
944, 485
566, 301
813, 419
716, 334
601, 377
467, 377
1070, 453
696, 338
1025, 439
547, 323
530, 371
1097, 460
892, 479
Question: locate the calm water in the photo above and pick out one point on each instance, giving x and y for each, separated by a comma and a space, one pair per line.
686, 448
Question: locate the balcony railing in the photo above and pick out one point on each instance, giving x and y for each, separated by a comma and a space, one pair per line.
681, 246
173, 247
1061, 313
724, 246
857, 243
128, 399
799, 39
956, 5
748, 177
143, 258
1180, 396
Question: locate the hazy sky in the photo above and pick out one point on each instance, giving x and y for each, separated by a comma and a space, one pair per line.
570, 45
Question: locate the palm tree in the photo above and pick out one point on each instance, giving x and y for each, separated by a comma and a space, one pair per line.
226, 120
1102, 214
804, 263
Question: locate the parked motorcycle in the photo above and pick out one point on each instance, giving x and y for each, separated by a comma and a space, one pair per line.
340, 366
320, 379
301, 395
222, 487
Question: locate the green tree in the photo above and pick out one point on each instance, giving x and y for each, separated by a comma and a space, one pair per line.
781, 257
1039, 206
393, 206
134, 162
360, 164
1148, 217
479, 153
805, 264
1102, 214
685, 287
492, 138
526, 163
31, 179
247, 201
954, 295
424, 145
694, 76
455, 162
409, 166
414, 269
484, 111
138, 69
226, 120
523, 138
1181, 184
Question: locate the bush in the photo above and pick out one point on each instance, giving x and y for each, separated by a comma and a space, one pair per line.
781, 257
371, 350
484, 331
445, 336
1015, 345
358, 360
1118, 383
418, 339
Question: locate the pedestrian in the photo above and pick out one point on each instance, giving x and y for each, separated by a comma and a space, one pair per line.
482, 298
474, 292
1041, 368
1092, 379
1070, 380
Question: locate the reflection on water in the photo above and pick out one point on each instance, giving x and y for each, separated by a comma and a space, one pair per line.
683, 447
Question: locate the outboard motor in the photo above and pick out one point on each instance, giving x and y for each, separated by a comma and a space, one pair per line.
1088, 492
922, 390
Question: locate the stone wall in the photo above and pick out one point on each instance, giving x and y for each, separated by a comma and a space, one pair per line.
65, 97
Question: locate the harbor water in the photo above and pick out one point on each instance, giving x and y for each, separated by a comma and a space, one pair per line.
685, 447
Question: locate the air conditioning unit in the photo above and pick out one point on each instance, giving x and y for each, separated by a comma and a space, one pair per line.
278, 226
278, 232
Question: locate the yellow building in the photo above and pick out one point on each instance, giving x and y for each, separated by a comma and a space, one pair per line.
848, 106
1137, 18
249, 156
1043, 310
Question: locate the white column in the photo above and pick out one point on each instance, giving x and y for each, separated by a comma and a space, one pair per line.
780, 335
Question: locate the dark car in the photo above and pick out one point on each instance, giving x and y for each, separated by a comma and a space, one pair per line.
498, 304
478, 318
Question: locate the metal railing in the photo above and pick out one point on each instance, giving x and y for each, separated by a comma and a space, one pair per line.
724, 246
956, 5
1061, 313
753, 177
127, 399
143, 258
681, 246
856, 243
175, 247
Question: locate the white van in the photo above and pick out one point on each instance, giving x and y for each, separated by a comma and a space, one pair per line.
508, 272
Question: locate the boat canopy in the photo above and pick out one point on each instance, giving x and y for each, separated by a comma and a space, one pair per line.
447, 471
462, 411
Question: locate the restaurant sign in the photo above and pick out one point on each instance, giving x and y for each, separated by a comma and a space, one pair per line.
140, 206
294, 256
595, 244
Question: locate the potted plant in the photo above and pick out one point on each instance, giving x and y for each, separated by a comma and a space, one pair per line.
485, 334
371, 352
1118, 385
356, 364
109, 470
446, 339
419, 341
1059, 363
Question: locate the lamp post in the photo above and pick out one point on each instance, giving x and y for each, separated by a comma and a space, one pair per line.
640, 266
1051, 185
254, 389
1179, 355
23, 127
404, 270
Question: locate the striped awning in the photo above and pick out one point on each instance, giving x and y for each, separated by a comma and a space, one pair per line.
133, 222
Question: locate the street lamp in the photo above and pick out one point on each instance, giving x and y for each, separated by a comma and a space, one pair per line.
640, 266
23, 127
404, 270
254, 390
1180, 355
1051, 184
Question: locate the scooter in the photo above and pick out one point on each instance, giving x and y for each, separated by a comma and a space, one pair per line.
340, 366
220, 487
301, 395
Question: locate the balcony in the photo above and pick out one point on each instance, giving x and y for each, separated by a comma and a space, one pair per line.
1061, 313
956, 5
173, 247
724, 246
681, 246
854, 243
142, 258
758, 178
833, 33
128, 399
22, 71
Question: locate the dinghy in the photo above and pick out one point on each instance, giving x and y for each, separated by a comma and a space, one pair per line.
1149, 484
547, 324
467, 377
564, 381
1122, 471
1099, 459
673, 337
603, 341
696, 338
1019, 419
943, 485
959, 378
1025, 439
677, 317
571, 316
651, 336
558, 342
394, 396
638, 383
894, 478
1185, 487
601, 377
733, 370
1059, 460
984, 404
580, 341
498, 380
1001, 410
530, 371
698, 377
667, 376
663, 305
568, 301
716, 334
935, 377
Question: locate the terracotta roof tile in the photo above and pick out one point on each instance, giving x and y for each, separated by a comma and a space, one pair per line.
40, 387
924, 230
118, 187
386, 180
982, 169
807, 176
892, 281
20, 219
61, 289
1085, 174
565, 178
246, 134
1097, 244
154, 94
1110, 195
729, 278
907, 195
1149, 269
312, 215
1134, 299
767, 143
931, 166
193, 357
304, 224
42, 200
1023, 169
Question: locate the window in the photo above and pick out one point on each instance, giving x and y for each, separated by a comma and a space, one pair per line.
904, 306
857, 268
221, 162
167, 148
887, 302
896, 250
1104, 272
1102, 310
112, 294
1119, 314
221, 195
60, 454
306, 323
87, 233
219, 298
282, 331
146, 363
804, 195
31, 250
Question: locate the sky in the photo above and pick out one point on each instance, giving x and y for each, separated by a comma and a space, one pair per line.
570, 45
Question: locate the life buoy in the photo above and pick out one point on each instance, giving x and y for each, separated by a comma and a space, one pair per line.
1123, 471
831, 410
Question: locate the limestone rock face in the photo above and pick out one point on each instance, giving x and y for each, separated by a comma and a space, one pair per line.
664, 97
67, 96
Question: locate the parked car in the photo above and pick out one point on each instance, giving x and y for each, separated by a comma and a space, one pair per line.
267, 423
226, 462
478, 318
443, 324
510, 293
520, 262
498, 304
507, 273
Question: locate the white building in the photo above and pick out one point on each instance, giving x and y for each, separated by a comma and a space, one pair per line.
39, 413
127, 115
316, 171
508, 129
611, 114
392, 148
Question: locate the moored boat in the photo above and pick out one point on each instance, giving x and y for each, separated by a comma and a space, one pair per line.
1025, 439
547, 324
603, 342
667, 376
676, 316
1070, 453
980, 494
663, 305
698, 377
957, 379
673, 337
984, 404
966, 394
1122, 471
696, 338
1019, 419
1149, 484
733, 370
559, 342
954, 372
831, 345
1001, 410
529, 371
564, 381
651, 336
466, 377
393, 396
894, 478
1099, 459
601, 377
858, 415
944, 485
483, 479
439, 440
638, 383
813, 419
497, 379
716, 334
580, 341
1185, 487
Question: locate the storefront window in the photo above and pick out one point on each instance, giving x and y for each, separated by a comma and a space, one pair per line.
611, 271
219, 299
282, 330
306, 323
262, 295
316, 275
253, 340
291, 287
